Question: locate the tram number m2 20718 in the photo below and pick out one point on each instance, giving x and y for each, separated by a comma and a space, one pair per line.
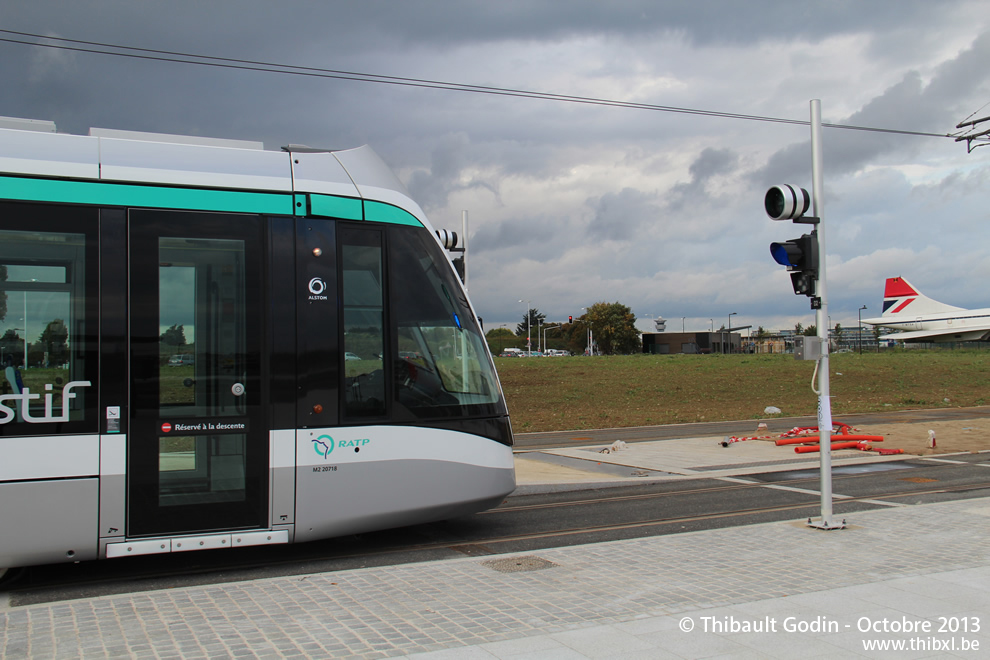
324, 468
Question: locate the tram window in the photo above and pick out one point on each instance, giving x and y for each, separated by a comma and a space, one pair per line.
201, 298
201, 316
441, 356
364, 322
200, 469
42, 328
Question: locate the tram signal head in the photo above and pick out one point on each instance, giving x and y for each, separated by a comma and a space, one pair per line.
786, 202
447, 238
800, 255
459, 266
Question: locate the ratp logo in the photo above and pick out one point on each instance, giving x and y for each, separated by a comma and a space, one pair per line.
323, 448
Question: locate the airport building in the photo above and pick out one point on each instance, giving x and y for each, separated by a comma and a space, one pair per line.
668, 343
782, 341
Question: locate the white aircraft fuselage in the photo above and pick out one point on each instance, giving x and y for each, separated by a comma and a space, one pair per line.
917, 317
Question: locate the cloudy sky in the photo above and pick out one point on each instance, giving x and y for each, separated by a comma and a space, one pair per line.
575, 203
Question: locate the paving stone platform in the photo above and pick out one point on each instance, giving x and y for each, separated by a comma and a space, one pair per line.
693, 595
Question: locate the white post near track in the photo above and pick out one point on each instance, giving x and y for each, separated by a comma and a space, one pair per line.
821, 319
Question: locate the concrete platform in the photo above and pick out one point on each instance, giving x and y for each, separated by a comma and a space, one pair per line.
915, 576
670, 460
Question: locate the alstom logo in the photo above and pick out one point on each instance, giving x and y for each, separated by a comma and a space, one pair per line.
316, 289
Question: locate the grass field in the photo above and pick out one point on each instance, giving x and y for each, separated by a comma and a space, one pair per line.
550, 394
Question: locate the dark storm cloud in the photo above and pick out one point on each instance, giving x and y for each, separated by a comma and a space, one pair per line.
711, 162
629, 213
910, 105
524, 236
447, 22
448, 164
375, 35
287, 27
618, 216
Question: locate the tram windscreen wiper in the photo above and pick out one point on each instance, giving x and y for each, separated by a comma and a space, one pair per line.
457, 320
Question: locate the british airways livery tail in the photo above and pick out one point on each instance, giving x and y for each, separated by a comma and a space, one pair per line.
899, 297
916, 317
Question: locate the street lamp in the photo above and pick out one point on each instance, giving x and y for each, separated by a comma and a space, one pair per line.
25, 342
529, 343
728, 332
591, 342
26, 329
545, 328
859, 328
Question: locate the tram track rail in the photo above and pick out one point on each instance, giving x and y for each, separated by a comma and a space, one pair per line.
647, 496
797, 482
738, 512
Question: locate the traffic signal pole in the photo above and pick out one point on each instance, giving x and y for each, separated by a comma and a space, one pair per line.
805, 260
821, 319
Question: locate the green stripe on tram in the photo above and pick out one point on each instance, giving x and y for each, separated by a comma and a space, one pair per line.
328, 206
119, 194
381, 212
101, 193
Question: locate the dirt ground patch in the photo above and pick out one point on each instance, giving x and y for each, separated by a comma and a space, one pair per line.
950, 437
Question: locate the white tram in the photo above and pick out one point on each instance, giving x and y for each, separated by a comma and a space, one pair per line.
209, 345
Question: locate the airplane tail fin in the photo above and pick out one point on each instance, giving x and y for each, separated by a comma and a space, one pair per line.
900, 298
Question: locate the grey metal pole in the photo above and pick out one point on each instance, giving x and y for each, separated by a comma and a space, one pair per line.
859, 328
821, 318
464, 235
529, 331
728, 333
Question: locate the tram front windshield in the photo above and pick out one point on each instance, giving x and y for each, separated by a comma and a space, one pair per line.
441, 359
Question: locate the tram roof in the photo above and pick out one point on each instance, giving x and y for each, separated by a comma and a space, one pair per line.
33, 148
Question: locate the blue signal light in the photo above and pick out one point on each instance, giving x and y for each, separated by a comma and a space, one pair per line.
801, 258
785, 254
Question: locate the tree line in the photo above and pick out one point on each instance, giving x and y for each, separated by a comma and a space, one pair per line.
612, 326
51, 348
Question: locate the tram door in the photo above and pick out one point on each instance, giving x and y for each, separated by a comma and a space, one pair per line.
198, 438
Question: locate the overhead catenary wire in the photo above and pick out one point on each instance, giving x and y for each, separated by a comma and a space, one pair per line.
133, 52
966, 122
